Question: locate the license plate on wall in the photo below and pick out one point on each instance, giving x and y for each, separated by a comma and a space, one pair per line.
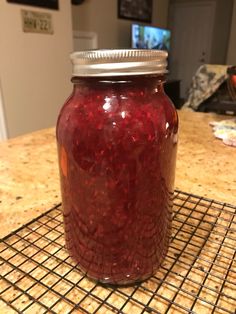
37, 22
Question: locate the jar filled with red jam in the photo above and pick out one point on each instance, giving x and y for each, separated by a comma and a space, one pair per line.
117, 141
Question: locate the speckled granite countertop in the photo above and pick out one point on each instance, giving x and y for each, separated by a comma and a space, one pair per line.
30, 182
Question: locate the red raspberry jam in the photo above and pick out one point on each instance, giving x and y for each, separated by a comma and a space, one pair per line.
117, 141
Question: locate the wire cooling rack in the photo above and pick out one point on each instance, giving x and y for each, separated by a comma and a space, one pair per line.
197, 276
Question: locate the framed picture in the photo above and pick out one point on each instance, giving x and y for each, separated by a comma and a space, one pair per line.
49, 4
138, 10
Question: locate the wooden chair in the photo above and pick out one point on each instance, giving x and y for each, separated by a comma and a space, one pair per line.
223, 101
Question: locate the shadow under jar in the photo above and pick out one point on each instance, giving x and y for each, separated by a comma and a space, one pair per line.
117, 142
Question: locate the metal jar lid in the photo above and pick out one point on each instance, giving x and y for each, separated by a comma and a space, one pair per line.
117, 62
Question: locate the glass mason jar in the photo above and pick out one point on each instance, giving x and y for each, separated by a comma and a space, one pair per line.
117, 141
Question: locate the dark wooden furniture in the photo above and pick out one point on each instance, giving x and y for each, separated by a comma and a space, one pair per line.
172, 89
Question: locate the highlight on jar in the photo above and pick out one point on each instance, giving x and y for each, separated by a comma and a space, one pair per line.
117, 140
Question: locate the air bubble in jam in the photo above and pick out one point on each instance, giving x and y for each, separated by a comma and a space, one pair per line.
117, 158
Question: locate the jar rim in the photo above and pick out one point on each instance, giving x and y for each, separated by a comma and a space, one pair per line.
117, 62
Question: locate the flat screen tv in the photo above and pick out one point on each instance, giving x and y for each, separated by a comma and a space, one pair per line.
150, 37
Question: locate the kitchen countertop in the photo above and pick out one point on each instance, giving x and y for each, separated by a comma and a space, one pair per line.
29, 182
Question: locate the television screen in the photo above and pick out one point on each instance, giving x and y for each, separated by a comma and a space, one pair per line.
150, 37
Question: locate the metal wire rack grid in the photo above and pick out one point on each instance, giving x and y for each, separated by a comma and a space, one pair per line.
197, 276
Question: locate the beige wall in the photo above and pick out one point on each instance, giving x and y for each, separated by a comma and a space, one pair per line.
231, 56
101, 17
221, 31
34, 68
